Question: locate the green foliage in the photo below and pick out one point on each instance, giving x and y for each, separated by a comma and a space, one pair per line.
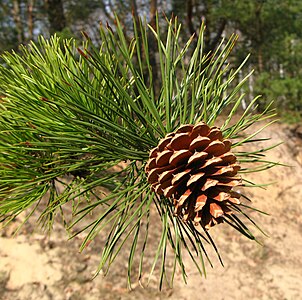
81, 111
286, 91
283, 83
269, 29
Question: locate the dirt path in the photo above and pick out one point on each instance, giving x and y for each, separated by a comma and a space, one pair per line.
35, 267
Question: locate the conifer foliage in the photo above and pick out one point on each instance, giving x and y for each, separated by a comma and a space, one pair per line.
92, 114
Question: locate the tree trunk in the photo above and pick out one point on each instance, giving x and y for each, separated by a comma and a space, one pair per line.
30, 18
259, 37
153, 8
18, 21
260, 59
56, 17
135, 15
190, 17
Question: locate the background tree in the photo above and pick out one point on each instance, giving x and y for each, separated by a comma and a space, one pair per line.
56, 16
268, 29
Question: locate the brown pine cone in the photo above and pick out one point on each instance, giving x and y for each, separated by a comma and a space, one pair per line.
196, 170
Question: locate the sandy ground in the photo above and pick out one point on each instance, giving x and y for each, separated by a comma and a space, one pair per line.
34, 266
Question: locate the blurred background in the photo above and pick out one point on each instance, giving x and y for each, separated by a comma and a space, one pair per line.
35, 266
270, 30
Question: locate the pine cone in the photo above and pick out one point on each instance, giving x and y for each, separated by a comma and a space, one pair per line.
196, 170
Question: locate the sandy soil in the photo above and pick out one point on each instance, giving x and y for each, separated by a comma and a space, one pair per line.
34, 266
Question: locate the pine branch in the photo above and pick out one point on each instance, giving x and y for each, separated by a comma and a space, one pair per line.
90, 114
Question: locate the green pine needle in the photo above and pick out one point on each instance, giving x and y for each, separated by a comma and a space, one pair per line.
91, 114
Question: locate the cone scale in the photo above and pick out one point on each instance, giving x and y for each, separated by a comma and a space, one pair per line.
196, 170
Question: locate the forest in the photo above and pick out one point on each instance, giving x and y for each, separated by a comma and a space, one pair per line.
269, 30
